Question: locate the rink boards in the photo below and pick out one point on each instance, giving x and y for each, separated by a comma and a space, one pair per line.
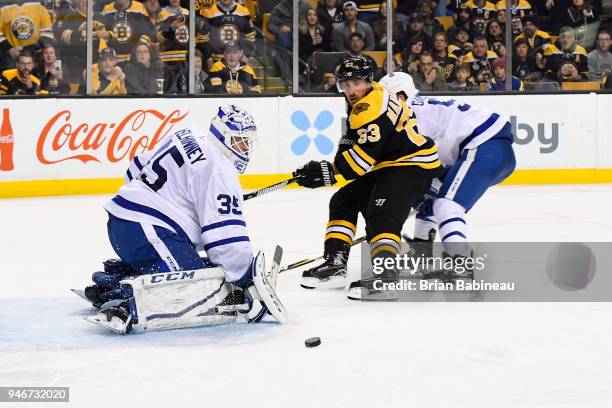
83, 146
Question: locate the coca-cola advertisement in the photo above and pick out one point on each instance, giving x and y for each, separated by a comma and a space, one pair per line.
82, 139
63, 139
6, 142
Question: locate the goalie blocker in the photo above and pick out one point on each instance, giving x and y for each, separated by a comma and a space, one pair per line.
183, 299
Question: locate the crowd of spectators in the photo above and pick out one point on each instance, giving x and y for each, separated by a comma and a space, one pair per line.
141, 47
554, 41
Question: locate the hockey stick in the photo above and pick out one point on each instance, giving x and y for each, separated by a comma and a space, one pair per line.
311, 260
269, 189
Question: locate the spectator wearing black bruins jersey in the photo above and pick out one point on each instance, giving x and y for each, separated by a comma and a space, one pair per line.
460, 46
441, 56
564, 50
20, 81
127, 24
231, 77
229, 23
481, 60
519, 8
391, 166
538, 40
23, 25
173, 35
173, 32
481, 9
72, 36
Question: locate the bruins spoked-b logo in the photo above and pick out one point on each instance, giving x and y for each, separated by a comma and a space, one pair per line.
233, 87
228, 34
182, 34
122, 32
23, 28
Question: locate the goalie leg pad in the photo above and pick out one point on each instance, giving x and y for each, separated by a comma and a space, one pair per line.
179, 299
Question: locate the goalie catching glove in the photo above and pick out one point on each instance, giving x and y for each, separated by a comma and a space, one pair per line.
315, 174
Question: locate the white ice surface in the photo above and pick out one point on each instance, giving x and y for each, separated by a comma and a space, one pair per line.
372, 355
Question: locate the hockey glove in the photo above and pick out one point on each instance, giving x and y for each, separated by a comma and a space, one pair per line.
315, 174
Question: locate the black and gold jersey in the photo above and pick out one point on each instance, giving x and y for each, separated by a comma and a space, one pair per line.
202, 5
101, 85
486, 11
11, 85
555, 57
230, 26
127, 27
371, 6
73, 30
520, 8
24, 24
447, 66
173, 41
240, 81
72, 35
457, 51
480, 64
382, 132
539, 39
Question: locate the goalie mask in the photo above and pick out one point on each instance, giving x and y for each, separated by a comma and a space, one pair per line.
234, 133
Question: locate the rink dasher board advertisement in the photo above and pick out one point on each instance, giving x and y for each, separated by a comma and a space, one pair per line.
69, 146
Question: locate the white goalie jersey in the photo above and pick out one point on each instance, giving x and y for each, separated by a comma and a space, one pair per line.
454, 125
187, 186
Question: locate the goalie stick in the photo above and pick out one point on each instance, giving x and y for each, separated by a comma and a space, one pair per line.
274, 271
269, 189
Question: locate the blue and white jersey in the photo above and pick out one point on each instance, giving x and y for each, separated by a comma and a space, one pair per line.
187, 186
455, 126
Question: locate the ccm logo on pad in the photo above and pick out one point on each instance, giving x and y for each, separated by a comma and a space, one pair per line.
173, 276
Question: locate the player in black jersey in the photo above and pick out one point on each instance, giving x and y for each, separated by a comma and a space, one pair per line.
391, 166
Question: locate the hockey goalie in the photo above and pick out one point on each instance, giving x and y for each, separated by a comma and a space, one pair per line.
178, 199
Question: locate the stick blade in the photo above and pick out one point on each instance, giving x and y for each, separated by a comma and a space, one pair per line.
276, 260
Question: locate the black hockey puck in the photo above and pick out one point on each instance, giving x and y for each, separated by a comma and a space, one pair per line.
312, 342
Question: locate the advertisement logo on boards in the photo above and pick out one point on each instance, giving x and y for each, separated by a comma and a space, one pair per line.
6, 142
66, 138
524, 134
312, 132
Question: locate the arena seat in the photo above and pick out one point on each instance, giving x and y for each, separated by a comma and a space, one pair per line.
581, 86
378, 56
251, 5
541, 86
446, 21
326, 62
267, 34
265, 6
